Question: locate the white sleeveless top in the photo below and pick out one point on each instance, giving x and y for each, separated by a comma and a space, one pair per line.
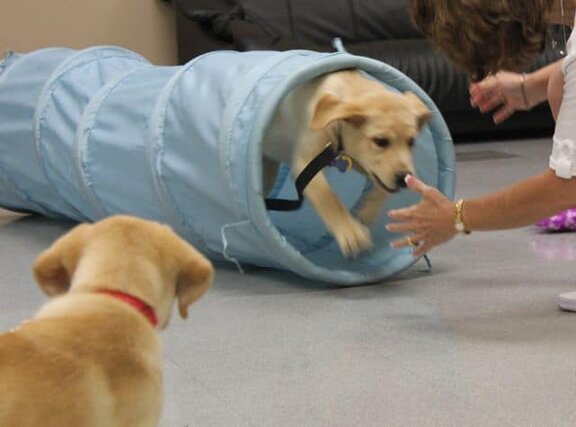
563, 158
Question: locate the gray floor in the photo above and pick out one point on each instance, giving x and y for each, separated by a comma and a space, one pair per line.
479, 341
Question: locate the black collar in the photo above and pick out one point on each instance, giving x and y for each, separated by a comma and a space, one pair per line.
326, 157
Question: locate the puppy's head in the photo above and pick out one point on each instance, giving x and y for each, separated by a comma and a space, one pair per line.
128, 254
378, 129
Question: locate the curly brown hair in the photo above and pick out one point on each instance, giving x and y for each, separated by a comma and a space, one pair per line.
484, 36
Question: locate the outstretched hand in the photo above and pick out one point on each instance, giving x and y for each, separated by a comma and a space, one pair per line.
501, 93
427, 223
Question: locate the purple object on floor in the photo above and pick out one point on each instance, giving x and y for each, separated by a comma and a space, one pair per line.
563, 221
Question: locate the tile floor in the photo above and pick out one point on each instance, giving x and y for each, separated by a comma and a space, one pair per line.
479, 341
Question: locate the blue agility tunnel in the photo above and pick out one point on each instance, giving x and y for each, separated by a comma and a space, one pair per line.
90, 133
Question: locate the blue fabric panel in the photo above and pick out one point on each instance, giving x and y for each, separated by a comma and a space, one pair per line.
21, 81
8, 197
108, 141
185, 152
62, 102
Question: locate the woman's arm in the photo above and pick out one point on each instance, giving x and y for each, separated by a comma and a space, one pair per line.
521, 204
431, 221
503, 92
536, 83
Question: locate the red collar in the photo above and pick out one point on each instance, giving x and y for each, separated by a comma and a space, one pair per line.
147, 311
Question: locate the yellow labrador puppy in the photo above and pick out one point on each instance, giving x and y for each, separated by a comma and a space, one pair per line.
91, 356
373, 126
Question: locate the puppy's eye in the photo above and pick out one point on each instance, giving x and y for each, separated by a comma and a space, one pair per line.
382, 142
411, 142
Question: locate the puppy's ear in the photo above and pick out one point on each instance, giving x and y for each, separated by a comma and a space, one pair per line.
195, 277
330, 108
53, 268
422, 112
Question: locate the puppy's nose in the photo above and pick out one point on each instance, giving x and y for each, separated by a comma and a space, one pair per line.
400, 179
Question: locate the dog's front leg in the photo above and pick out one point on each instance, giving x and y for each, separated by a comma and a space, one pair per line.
371, 205
351, 235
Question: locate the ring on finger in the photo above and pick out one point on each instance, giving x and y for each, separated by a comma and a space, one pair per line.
411, 242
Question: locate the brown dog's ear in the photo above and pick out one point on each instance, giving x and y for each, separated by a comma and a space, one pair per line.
54, 267
330, 108
196, 273
422, 112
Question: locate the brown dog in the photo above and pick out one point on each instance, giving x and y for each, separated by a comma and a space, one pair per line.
376, 128
91, 356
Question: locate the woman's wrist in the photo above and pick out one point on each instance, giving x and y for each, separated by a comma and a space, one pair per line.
524, 91
460, 224
535, 84
532, 91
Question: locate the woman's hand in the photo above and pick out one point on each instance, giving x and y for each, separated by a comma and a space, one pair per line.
428, 223
501, 91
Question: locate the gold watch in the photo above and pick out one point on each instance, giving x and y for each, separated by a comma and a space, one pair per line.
459, 224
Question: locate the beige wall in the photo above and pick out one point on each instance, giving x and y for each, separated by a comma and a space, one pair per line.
145, 26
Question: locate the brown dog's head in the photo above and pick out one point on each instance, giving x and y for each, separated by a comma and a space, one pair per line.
128, 254
378, 129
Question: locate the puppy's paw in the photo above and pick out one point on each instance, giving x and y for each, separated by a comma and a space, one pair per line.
353, 238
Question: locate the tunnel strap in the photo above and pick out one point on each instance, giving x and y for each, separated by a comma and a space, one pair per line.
327, 157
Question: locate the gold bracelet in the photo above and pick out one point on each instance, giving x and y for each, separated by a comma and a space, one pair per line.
523, 90
459, 224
